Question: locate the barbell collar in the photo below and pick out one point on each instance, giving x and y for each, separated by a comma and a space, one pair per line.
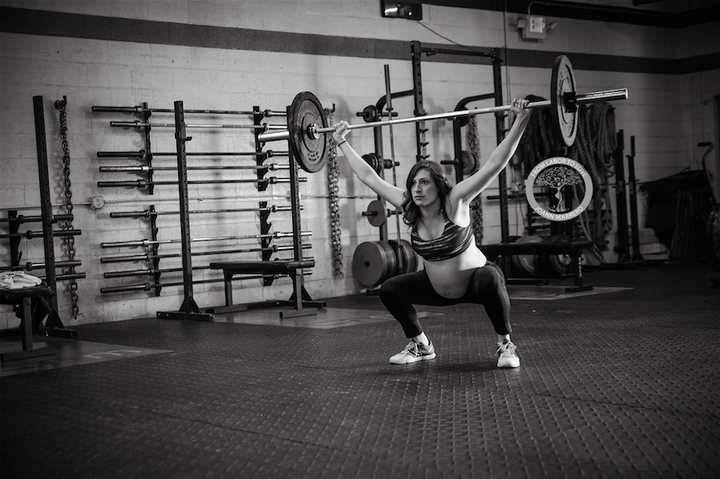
580, 98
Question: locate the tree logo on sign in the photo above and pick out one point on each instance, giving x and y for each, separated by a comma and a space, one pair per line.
559, 174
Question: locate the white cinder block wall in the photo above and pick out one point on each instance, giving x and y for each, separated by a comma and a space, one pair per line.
667, 114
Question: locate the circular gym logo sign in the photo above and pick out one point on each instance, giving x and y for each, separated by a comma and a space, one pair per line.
559, 174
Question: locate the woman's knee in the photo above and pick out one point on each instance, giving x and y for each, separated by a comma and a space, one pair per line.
389, 289
489, 277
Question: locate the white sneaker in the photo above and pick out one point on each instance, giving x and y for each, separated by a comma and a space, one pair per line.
414, 352
506, 356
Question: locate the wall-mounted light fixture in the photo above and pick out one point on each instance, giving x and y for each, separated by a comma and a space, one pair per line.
534, 27
394, 9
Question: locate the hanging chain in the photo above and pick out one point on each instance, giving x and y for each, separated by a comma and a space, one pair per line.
68, 242
333, 174
473, 140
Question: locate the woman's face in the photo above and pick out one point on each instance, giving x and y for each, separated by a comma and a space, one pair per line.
423, 189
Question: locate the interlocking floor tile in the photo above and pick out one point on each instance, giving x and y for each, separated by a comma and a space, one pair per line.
616, 385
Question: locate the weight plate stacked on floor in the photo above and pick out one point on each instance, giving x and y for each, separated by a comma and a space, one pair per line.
373, 263
404, 250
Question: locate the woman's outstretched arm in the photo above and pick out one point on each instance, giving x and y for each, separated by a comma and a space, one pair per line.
364, 171
465, 191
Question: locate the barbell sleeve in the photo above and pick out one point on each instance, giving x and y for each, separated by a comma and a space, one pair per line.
593, 97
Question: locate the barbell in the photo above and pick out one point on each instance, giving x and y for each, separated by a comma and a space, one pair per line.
307, 121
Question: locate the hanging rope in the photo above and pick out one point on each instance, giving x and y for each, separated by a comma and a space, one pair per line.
603, 122
585, 151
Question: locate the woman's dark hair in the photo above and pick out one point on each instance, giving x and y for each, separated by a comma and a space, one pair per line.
411, 212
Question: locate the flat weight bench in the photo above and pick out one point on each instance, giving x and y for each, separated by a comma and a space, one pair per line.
25, 296
573, 249
299, 298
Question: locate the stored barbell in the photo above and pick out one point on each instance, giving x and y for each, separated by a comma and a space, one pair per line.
147, 242
144, 183
148, 213
307, 120
144, 155
148, 169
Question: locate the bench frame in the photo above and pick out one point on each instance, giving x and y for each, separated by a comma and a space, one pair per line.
25, 296
574, 249
299, 298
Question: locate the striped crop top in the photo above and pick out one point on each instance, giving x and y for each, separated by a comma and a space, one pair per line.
453, 241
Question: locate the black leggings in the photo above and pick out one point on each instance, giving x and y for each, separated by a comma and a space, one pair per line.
487, 287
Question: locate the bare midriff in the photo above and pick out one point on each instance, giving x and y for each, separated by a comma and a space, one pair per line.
450, 277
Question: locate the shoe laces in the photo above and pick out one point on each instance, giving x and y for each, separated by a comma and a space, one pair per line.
506, 347
412, 348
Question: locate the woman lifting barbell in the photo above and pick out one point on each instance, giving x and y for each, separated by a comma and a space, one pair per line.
455, 270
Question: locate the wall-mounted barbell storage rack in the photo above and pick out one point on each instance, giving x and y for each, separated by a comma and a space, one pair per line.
53, 325
189, 309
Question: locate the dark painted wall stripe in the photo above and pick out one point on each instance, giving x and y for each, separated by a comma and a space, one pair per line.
37, 22
592, 12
